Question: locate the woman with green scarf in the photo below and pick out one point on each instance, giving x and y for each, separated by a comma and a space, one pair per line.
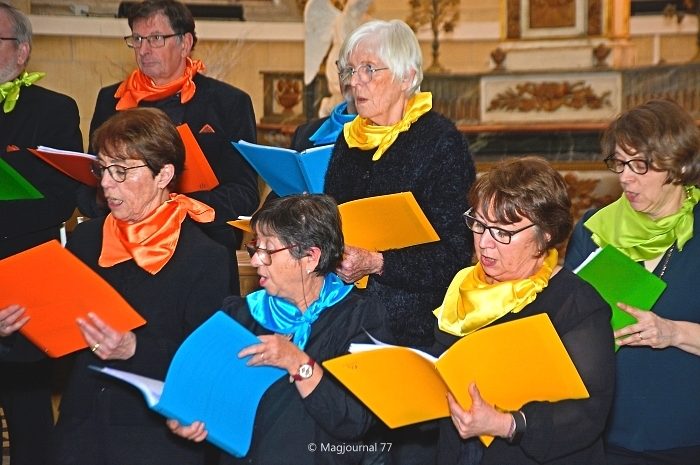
520, 212
655, 150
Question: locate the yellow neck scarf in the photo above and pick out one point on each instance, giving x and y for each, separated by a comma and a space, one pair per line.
9, 91
471, 303
363, 134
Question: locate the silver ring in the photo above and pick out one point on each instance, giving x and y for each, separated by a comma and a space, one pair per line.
262, 355
641, 338
95, 347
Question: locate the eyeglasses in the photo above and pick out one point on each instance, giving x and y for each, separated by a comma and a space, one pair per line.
9, 38
500, 235
637, 165
364, 73
155, 40
117, 172
264, 255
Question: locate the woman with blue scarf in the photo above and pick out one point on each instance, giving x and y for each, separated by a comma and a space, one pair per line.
304, 314
655, 150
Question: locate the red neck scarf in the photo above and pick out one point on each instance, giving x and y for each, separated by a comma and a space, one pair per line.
139, 87
151, 242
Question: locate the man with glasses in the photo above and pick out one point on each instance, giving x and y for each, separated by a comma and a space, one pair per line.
162, 38
25, 393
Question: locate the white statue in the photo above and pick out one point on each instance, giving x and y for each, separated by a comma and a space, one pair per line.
326, 27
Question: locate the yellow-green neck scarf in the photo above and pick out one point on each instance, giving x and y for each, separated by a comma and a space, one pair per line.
472, 303
9, 91
363, 134
638, 236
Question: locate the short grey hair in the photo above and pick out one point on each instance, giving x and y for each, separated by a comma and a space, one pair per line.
394, 43
21, 27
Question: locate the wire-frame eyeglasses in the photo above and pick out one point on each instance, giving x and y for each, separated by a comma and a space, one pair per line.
264, 255
364, 73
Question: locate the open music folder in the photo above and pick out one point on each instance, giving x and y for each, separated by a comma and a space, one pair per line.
511, 363
206, 381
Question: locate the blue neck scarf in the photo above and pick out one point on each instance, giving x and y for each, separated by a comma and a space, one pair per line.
331, 128
283, 317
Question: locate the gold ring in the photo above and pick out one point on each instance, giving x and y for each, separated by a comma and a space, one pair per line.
95, 347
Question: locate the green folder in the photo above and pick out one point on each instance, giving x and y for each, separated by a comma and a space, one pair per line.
618, 278
14, 186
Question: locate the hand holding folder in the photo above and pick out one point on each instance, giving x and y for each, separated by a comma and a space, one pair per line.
207, 382
511, 363
55, 287
618, 278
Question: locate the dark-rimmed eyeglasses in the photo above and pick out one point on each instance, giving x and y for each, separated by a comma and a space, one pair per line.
637, 165
155, 40
117, 172
503, 236
364, 73
264, 255
9, 38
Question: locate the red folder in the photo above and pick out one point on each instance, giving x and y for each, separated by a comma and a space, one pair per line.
74, 164
55, 287
197, 175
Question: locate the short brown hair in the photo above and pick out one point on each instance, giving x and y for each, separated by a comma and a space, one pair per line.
526, 187
179, 16
141, 134
662, 131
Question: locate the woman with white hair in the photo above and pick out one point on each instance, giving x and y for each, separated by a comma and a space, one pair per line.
399, 143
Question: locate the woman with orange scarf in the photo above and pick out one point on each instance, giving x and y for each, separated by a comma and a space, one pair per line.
151, 251
520, 213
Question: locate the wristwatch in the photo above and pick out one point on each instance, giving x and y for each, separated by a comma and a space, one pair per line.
520, 426
305, 371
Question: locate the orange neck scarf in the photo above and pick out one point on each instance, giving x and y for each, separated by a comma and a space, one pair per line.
138, 87
151, 242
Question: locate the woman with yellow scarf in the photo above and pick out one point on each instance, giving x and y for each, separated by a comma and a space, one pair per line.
398, 143
520, 213
655, 150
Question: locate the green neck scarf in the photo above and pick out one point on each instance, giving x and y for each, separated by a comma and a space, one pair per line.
637, 235
9, 91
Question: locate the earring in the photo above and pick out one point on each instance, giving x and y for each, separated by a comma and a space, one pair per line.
308, 271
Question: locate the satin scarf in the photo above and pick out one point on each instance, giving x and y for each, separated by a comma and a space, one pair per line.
361, 133
329, 131
152, 241
138, 87
471, 303
283, 317
638, 236
9, 91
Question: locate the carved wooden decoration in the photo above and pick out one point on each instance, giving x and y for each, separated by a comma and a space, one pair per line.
549, 97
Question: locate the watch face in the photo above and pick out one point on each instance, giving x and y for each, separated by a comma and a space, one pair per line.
305, 371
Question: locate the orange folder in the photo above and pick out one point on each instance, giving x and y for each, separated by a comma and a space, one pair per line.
55, 287
379, 223
512, 363
197, 175
74, 164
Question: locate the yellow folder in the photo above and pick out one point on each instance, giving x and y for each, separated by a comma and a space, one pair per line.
379, 223
511, 363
